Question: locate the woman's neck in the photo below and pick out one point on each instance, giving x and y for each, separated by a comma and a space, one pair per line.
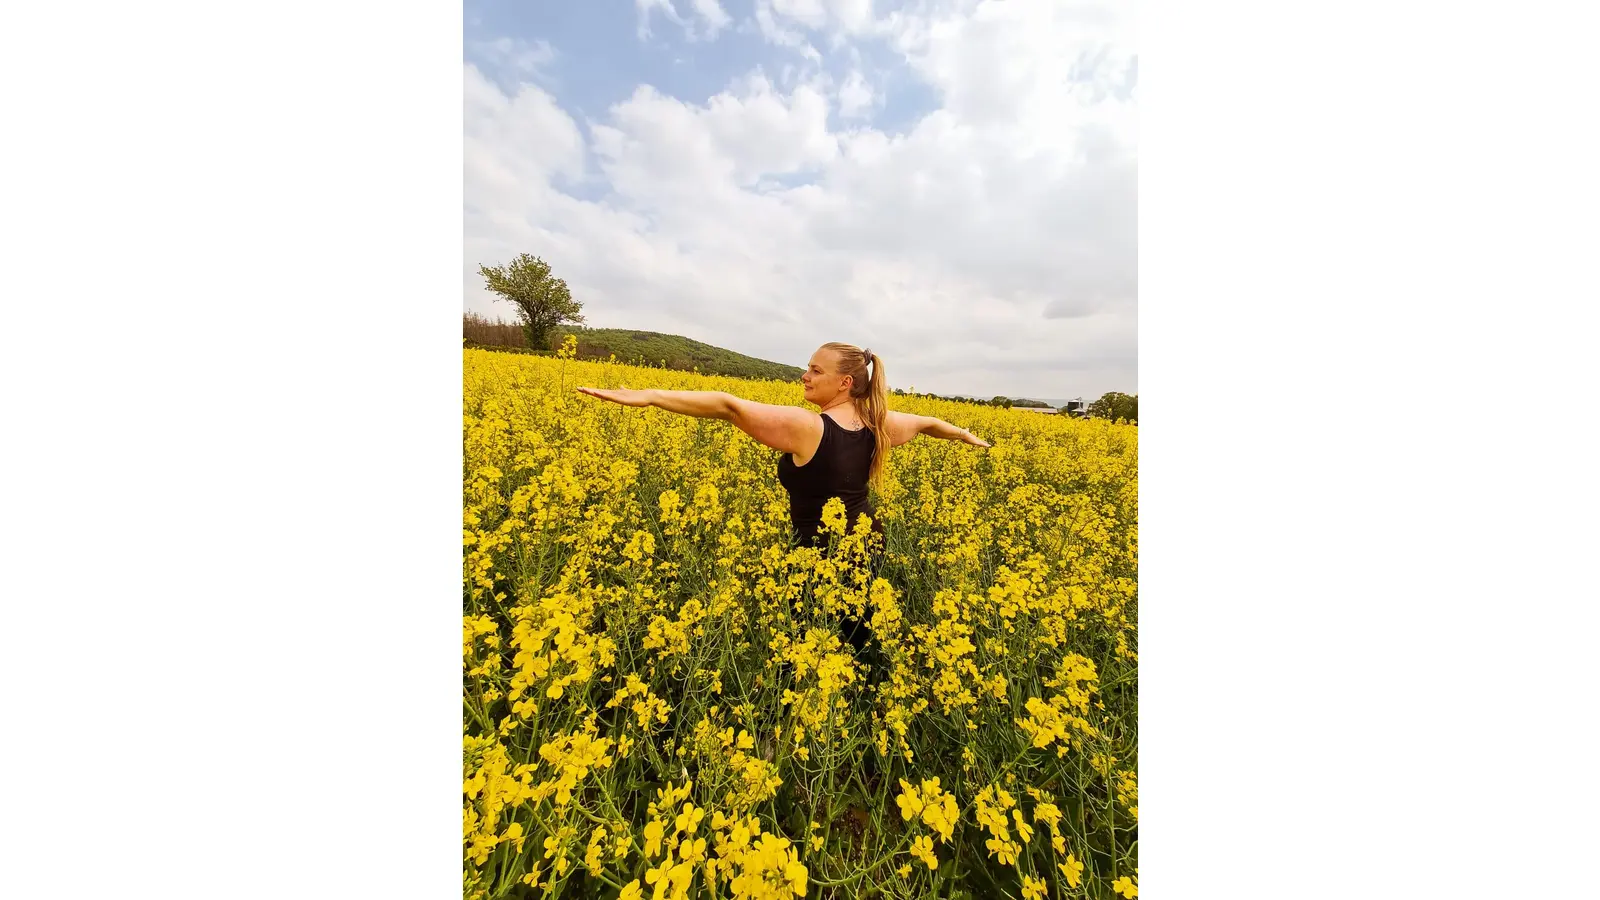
845, 402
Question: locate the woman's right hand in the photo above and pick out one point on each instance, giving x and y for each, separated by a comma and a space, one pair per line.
619, 395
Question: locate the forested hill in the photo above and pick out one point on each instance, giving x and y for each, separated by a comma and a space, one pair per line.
647, 348
672, 351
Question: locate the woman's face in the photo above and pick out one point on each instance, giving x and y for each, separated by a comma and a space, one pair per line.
822, 381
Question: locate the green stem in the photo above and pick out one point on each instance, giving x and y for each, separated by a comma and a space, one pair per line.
906, 838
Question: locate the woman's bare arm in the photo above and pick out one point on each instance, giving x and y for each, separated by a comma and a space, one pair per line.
904, 426
787, 428
700, 404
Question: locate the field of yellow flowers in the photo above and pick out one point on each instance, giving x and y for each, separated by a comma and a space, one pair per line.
658, 701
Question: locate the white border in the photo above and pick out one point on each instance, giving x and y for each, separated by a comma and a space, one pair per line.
1367, 236
233, 251
233, 242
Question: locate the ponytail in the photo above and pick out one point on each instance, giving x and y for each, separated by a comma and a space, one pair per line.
870, 392
878, 421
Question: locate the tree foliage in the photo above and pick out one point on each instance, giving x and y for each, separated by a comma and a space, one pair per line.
1114, 405
542, 301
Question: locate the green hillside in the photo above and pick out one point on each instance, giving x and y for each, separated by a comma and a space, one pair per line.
673, 351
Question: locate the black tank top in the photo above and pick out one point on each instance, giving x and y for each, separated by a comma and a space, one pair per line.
838, 469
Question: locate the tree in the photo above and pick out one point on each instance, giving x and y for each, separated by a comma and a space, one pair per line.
1001, 401
1115, 406
542, 302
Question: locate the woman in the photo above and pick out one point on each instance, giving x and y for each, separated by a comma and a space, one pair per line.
837, 451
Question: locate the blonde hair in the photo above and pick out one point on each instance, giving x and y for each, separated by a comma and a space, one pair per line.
869, 390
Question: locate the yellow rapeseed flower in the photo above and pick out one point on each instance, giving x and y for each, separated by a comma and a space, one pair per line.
1071, 870
922, 848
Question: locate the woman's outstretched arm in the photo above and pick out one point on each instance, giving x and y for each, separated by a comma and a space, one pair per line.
787, 428
904, 426
700, 404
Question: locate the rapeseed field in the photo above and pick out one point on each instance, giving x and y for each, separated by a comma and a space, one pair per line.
659, 702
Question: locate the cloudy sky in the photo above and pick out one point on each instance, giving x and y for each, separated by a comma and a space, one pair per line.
951, 183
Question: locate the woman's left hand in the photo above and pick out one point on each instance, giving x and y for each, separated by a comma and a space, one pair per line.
623, 396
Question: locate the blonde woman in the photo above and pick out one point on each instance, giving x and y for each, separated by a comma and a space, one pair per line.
837, 451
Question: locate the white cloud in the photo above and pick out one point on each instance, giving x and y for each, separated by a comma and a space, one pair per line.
645, 7
776, 33
811, 13
855, 96
527, 131
852, 16
658, 151
709, 13
785, 23
522, 57
840, 16
989, 249
715, 17
1020, 63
